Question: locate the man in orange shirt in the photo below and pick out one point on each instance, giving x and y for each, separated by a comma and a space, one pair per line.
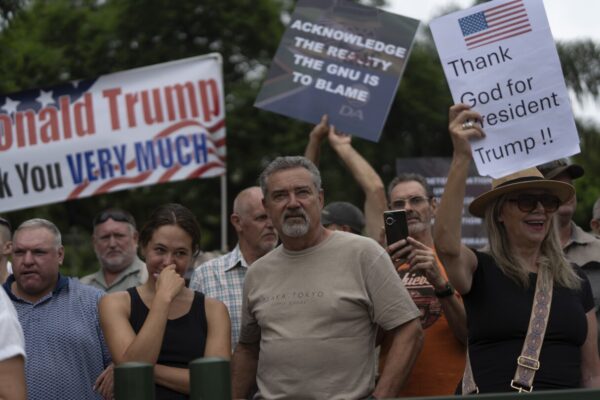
439, 366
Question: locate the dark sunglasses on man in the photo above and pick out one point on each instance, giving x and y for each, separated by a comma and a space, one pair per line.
116, 215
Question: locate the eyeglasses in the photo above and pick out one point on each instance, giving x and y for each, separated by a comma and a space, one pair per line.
114, 214
414, 201
4, 221
529, 202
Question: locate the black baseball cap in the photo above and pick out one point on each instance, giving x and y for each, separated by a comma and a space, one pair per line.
343, 213
554, 168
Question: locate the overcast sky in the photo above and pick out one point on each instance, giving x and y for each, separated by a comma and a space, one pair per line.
569, 19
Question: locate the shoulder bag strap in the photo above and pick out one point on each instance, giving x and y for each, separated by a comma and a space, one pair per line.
528, 362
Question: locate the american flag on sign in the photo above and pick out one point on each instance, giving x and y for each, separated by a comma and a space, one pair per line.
495, 24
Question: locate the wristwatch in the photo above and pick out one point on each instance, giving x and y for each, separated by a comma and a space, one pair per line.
448, 290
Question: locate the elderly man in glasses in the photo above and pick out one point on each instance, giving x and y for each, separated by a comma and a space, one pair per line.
115, 240
440, 364
5, 249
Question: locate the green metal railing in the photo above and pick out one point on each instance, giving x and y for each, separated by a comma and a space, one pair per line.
210, 379
134, 381
571, 394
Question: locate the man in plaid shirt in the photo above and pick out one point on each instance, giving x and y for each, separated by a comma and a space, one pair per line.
223, 277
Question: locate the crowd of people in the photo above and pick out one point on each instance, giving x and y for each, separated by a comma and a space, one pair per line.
313, 302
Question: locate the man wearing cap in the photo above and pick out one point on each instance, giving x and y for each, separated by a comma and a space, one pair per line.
580, 247
115, 239
223, 277
441, 362
595, 221
343, 216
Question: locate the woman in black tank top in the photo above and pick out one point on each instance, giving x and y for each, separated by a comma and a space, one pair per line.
163, 322
522, 276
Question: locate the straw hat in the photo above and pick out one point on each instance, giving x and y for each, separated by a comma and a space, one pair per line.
530, 178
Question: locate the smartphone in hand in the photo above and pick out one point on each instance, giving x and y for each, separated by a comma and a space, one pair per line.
395, 225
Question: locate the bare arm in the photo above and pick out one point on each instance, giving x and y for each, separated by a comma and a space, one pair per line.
315, 139
218, 339
366, 177
407, 340
590, 363
243, 368
460, 262
105, 382
12, 379
455, 313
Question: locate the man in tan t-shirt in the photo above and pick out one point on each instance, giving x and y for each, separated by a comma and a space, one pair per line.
312, 306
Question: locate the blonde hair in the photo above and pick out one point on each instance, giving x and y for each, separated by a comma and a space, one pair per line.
551, 255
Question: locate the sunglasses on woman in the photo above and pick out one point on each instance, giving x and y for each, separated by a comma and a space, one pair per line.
529, 202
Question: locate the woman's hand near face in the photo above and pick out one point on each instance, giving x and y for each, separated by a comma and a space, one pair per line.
169, 283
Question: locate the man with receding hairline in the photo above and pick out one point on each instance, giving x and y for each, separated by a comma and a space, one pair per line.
66, 354
223, 277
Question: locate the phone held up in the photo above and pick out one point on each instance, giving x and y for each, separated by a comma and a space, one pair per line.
395, 225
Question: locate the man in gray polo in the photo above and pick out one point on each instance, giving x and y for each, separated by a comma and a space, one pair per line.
115, 241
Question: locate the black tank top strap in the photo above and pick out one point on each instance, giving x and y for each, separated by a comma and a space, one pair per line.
138, 310
199, 308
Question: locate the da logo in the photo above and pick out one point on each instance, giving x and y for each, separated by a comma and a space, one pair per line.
347, 111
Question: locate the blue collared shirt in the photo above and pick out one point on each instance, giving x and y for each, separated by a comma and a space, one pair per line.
223, 278
65, 347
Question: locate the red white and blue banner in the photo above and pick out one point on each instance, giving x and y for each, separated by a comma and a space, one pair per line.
149, 125
499, 57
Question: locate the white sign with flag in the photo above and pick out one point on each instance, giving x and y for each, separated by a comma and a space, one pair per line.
144, 126
500, 58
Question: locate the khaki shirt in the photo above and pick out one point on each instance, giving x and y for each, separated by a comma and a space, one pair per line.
583, 249
134, 275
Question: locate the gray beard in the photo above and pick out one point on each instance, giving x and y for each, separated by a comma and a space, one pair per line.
296, 229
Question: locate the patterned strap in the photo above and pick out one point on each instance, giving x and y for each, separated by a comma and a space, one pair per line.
528, 362
468, 382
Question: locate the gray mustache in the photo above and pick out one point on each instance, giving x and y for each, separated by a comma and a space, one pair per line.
294, 215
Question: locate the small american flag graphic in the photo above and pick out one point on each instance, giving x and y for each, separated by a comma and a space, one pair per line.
495, 24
